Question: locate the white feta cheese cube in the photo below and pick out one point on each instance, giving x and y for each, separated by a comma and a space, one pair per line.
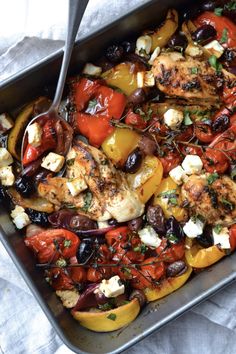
5, 157
193, 228
93, 70
53, 162
215, 48
149, 237
112, 287
34, 134
76, 186
193, 51
178, 175
20, 218
173, 118
221, 238
6, 176
6, 123
154, 55
143, 45
192, 164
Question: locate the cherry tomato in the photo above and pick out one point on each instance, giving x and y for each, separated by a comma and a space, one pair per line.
185, 134
215, 161
232, 237
96, 275
204, 132
170, 160
191, 150
117, 235
51, 244
59, 279
170, 252
77, 274
135, 120
151, 271
221, 24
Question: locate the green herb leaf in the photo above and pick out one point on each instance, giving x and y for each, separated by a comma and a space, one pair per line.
172, 238
187, 118
61, 262
167, 194
227, 204
67, 243
224, 37
173, 201
218, 11
146, 116
194, 70
230, 6
112, 316
142, 248
70, 162
217, 229
105, 307
212, 178
87, 201
215, 64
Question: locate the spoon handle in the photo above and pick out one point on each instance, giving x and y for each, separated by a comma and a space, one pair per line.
76, 11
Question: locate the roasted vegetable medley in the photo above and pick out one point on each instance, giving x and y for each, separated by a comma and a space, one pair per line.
146, 195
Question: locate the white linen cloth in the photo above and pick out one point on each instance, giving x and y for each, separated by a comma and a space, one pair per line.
27, 34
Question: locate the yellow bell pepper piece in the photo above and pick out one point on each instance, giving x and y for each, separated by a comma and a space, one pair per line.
199, 257
123, 76
108, 321
120, 144
166, 185
161, 36
147, 179
168, 286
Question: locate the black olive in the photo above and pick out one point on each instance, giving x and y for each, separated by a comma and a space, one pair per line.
138, 294
37, 217
206, 239
133, 161
5, 199
24, 186
156, 218
135, 224
174, 232
137, 96
81, 222
228, 55
113, 222
114, 53
147, 145
209, 6
221, 123
191, 12
231, 14
155, 95
204, 34
85, 251
128, 47
178, 42
175, 268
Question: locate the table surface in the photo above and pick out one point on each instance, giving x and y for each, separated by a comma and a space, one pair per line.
27, 34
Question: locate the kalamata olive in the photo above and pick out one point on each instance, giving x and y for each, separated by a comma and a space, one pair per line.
113, 222
5, 199
133, 161
155, 95
178, 42
84, 251
147, 145
82, 222
208, 5
138, 294
37, 217
41, 176
229, 55
128, 46
156, 218
232, 69
100, 298
204, 34
174, 231
206, 239
221, 123
191, 12
120, 300
137, 96
24, 186
135, 224
114, 53
175, 268
231, 14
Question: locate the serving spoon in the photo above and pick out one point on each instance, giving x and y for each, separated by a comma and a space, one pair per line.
76, 11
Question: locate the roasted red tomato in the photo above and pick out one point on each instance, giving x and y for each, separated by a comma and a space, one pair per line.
96, 105
170, 160
119, 234
232, 237
135, 120
170, 252
59, 279
204, 132
149, 274
226, 29
215, 161
52, 244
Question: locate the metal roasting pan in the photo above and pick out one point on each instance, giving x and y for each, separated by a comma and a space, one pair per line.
21, 89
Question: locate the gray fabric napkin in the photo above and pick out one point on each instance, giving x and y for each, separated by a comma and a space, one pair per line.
24, 329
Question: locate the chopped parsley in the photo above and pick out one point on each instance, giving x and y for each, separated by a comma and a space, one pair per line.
105, 307
217, 229
187, 118
70, 162
112, 316
230, 6
218, 11
212, 178
172, 238
215, 64
146, 116
87, 201
227, 204
67, 243
141, 248
224, 37
171, 195
194, 70
61, 262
